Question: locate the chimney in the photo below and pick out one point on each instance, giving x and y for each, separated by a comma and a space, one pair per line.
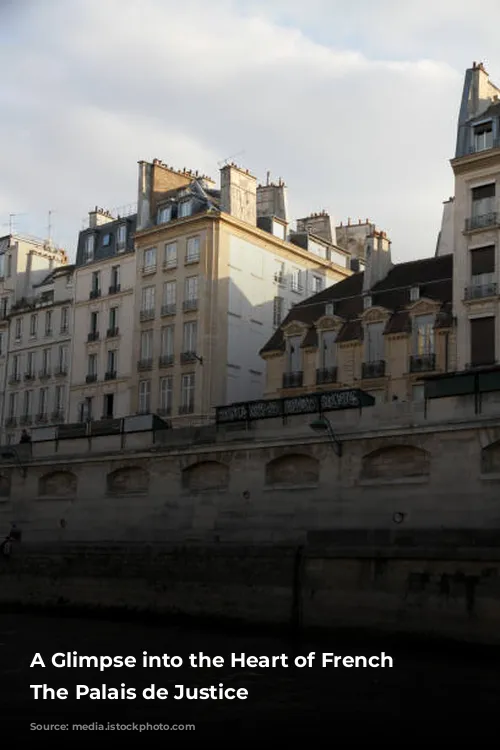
238, 194
318, 224
272, 200
98, 217
377, 258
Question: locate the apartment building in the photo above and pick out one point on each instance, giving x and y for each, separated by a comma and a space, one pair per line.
218, 268
41, 327
105, 278
24, 262
382, 330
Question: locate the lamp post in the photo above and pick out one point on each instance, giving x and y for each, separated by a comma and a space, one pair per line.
322, 425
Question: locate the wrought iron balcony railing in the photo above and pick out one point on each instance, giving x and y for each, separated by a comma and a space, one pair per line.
112, 333
114, 289
326, 375
190, 304
91, 377
93, 336
147, 314
166, 360
188, 356
293, 379
373, 369
169, 309
479, 291
145, 364
481, 222
110, 375
422, 362
95, 294
186, 409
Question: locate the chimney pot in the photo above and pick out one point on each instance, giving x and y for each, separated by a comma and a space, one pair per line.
349, 221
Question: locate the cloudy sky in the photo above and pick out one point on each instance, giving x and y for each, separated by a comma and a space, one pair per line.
353, 103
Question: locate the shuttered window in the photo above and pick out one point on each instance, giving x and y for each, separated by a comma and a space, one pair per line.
482, 341
485, 191
482, 260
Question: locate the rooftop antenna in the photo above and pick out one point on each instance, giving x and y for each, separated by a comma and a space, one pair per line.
12, 218
223, 162
49, 228
268, 177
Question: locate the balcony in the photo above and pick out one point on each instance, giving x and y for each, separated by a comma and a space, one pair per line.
95, 294
61, 371
11, 421
371, 370
422, 362
114, 289
93, 336
57, 415
166, 360
145, 364
293, 379
165, 411
192, 258
14, 379
29, 375
63, 330
42, 418
48, 332
479, 291
26, 419
147, 315
112, 333
168, 310
186, 409
44, 374
190, 304
326, 375
110, 375
148, 269
481, 222
169, 264
477, 149
91, 377
188, 357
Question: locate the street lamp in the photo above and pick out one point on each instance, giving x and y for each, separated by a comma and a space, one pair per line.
322, 424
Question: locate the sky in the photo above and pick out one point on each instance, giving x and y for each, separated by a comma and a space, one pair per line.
354, 104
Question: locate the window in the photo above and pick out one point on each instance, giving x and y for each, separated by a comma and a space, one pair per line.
13, 405
145, 397
96, 282
64, 319
482, 266
170, 294
417, 392
294, 353
190, 336
121, 237
296, 280
60, 395
28, 400
424, 335
43, 400
187, 392
167, 341
48, 323
483, 136
414, 293
86, 410
89, 248
482, 341
2, 266
367, 301
191, 288
106, 240
193, 250
33, 325
4, 306
277, 311
279, 273
31, 364
166, 393
94, 322
92, 365
63, 359
185, 209
317, 284
150, 259
9, 266
112, 360
16, 366
164, 214
146, 345
2, 344
148, 299
171, 255
19, 329
46, 361
328, 349
374, 342
113, 318
115, 277
483, 200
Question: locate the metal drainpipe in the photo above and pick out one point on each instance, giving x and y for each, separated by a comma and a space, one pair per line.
446, 352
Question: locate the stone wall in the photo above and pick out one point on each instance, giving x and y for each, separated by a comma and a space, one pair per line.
448, 590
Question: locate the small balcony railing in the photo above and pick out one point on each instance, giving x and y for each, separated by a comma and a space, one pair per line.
29, 375
165, 411
479, 291
187, 357
293, 379
481, 222
190, 304
145, 364
422, 362
44, 374
63, 330
148, 269
93, 336
112, 333
26, 419
166, 360
110, 375
373, 369
11, 421
95, 294
14, 379
42, 417
168, 309
192, 258
147, 314
57, 415
169, 264
114, 289
326, 375
186, 409
91, 377
48, 332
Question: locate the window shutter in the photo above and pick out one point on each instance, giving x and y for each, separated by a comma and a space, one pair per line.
482, 260
482, 337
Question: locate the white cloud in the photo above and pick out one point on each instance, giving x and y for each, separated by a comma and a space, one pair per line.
94, 87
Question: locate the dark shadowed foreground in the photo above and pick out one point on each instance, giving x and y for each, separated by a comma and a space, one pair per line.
449, 686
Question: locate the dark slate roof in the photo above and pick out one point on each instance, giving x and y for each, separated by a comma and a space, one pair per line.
492, 111
433, 276
59, 271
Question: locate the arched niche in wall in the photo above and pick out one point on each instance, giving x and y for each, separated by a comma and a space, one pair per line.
4, 486
292, 470
57, 484
490, 459
206, 476
128, 480
396, 462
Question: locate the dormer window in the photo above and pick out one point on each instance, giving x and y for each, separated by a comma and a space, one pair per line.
164, 214
483, 136
367, 301
414, 293
330, 309
89, 248
185, 209
106, 240
121, 237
